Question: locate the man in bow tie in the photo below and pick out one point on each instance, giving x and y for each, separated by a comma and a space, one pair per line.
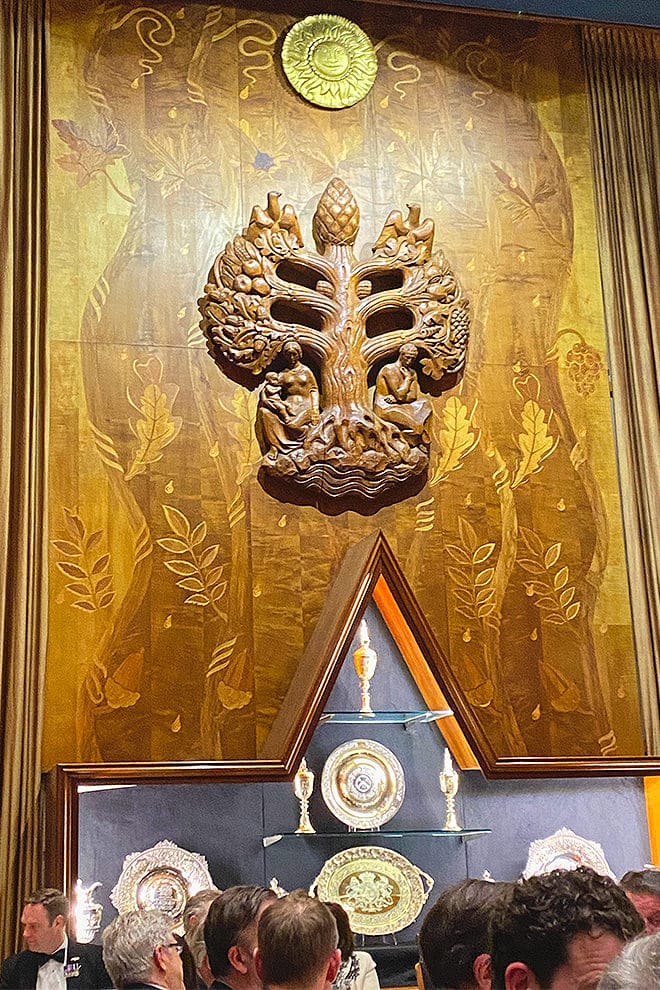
52, 961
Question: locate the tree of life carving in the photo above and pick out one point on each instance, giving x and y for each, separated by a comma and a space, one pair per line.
316, 331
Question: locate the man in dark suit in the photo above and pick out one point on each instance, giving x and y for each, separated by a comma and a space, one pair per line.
52, 961
140, 950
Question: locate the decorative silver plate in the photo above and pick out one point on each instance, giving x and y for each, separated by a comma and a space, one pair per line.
564, 850
161, 878
381, 890
363, 783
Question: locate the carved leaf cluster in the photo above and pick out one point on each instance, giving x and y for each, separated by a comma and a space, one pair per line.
549, 587
474, 591
198, 574
91, 584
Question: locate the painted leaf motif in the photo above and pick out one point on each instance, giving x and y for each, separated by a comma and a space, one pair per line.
468, 535
182, 567
191, 584
535, 442
156, 429
233, 698
71, 570
531, 540
459, 577
198, 534
482, 553
172, 546
177, 522
458, 554
90, 154
118, 696
70, 549
456, 438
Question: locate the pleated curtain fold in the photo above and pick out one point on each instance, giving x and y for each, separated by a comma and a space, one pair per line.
23, 448
622, 81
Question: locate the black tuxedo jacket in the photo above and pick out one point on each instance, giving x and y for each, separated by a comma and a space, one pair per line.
19, 972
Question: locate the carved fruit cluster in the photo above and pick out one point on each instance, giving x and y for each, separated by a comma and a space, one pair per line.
243, 270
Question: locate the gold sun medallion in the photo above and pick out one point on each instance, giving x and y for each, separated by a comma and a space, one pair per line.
329, 60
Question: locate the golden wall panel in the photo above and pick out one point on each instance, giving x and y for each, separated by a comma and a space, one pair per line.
181, 593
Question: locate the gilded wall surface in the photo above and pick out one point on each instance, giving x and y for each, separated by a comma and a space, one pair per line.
182, 594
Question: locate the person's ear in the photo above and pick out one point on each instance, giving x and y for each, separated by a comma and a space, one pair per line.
59, 922
518, 976
257, 964
158, 957
235, 957
483, 971
333, 966
204, 971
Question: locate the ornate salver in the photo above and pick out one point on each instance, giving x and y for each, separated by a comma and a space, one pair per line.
329, 60
161, 878
315, 330
382, 889
363, 783
564, 850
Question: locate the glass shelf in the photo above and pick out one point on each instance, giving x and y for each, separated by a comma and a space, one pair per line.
465, 833
390, 718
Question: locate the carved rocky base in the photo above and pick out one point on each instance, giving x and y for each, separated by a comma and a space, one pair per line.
349, 458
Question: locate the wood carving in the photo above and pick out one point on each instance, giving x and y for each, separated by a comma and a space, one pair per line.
318, 330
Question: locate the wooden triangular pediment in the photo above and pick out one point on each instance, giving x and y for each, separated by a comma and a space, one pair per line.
369, 572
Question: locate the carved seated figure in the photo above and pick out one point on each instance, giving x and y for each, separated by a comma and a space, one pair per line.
397, 398
288, 403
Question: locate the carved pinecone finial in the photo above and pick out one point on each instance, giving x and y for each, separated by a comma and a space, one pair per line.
337, 217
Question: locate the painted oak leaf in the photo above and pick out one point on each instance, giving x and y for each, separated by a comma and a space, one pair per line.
156, 428
456, 438
536, 443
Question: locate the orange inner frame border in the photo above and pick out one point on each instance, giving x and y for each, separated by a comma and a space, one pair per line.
652, 795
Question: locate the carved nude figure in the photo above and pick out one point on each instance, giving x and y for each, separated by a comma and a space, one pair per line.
397, 398
289, 402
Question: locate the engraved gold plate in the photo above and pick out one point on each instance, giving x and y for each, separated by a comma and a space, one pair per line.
161, 878
363, 784
382, 890
329, 60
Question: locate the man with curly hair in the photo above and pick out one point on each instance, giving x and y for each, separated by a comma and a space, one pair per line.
560, 931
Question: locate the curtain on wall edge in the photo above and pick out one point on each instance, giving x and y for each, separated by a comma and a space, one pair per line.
622, 82
23, 449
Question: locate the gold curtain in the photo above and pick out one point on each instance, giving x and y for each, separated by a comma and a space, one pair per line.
624, 93
23, 432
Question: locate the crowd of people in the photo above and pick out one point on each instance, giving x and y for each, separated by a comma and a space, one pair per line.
565, 930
